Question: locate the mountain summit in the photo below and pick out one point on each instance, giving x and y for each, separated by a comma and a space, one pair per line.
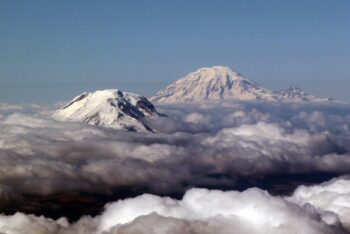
222, 83
211, 84
109, 108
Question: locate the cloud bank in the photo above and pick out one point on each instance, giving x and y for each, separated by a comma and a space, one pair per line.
208, 146
208, 211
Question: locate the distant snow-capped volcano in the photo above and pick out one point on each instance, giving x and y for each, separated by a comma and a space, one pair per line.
222, 83
211, 84
109, 108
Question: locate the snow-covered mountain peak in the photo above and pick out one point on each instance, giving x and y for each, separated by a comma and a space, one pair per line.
221, 74
217, 72
211, 84
109, 108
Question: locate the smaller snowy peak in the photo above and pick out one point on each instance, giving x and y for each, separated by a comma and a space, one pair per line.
109, 108
211, 84
292, 92
295, 93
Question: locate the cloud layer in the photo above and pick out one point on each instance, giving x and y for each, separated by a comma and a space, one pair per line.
210, 146
208, 211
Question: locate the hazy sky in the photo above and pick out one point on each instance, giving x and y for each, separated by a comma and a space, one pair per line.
53, 50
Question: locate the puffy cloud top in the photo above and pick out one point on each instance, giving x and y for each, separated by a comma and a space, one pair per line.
200, 211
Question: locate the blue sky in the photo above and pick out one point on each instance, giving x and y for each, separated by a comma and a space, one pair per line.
53, 50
